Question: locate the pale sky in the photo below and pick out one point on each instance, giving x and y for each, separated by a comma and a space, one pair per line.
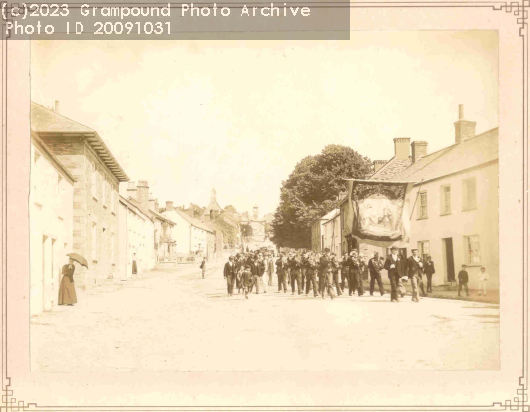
188, 116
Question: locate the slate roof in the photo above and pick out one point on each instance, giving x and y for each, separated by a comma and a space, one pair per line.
46, 122
194, 222
391, 169
473, 152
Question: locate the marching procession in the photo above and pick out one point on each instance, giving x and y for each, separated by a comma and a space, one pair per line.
319, 273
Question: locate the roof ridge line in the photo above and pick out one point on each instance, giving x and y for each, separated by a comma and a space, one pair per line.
63, 116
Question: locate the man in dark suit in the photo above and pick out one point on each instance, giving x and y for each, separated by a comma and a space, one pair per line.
325, 274
428, 269
414, 273
230, 275
394, 266
375, 266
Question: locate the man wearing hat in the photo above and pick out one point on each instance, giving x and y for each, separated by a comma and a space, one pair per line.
414, 273
354, 280
375, 266
326, 275
428, 269
394, 267
280, 271
230, 275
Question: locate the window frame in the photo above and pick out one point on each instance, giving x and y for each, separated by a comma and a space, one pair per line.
420, 214
421, 248
468, 255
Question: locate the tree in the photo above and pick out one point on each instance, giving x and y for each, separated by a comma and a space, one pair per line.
246, 231
312, 190
230, 208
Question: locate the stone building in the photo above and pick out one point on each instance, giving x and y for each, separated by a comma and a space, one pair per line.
96, 196
51, 220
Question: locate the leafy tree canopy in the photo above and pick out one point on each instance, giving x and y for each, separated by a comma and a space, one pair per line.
312, 190
230, 208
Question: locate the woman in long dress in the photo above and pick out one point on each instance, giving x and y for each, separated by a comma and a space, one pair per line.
67, 295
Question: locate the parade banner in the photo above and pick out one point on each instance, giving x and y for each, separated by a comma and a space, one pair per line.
380, 212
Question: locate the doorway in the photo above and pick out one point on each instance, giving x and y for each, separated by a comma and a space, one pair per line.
449, 259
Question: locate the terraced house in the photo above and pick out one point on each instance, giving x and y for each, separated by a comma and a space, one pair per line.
97, 175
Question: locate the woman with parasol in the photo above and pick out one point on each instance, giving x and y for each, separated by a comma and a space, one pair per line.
67, 295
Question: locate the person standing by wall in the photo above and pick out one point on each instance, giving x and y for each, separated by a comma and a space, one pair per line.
483, 281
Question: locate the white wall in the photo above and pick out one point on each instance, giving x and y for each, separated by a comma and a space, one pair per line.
51, 229
482, 221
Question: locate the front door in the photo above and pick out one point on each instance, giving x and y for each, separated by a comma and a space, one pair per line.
449, 259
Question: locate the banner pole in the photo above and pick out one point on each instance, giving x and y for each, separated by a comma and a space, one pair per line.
417, 194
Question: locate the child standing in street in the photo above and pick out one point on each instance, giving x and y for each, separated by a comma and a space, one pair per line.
482, 281
463, 279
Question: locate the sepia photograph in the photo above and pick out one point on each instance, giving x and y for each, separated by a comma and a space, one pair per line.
272, 206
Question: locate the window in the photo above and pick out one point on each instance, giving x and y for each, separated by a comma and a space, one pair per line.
469, 193
422, 208
94, 236
112, 200
446, 199
424, 249
342, 218
472, 252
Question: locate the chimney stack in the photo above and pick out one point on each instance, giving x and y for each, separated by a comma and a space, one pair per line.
464, 129
143, 194
57, 107
419, 149
151, 202
401, 148
131, 190
378, 164
169, 206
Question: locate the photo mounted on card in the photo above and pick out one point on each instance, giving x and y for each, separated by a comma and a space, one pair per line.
200, 209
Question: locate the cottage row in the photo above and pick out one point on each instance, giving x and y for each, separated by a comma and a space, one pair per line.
76, 206
456, 214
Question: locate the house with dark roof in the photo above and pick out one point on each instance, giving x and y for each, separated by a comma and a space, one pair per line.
97, 176
455, 219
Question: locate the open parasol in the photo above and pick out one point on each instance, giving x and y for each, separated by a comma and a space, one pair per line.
78, 258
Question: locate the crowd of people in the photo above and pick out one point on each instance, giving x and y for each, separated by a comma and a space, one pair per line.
324, 274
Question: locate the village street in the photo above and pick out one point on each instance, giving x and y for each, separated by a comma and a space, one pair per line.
176, 321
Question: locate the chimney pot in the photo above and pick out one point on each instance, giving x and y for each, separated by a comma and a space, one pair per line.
57, 106
402, 148
460, 112
169, 206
